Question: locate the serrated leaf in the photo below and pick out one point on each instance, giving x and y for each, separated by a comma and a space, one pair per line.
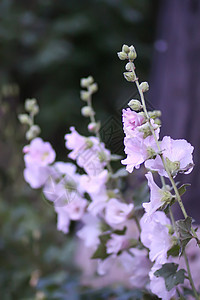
184, 230
170, 275
182, 188
174, 251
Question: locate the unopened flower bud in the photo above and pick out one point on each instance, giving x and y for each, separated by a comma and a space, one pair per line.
94, 127
84, 95
85, 82
87, 111
154, 114
157, 121
132, 55
30, 104
33, 132
144, 86
93, 88
129, 76
129, 66
24, 119
122, 55
146, 130
125, 49
135, 105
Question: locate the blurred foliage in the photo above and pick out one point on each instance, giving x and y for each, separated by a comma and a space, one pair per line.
46, 46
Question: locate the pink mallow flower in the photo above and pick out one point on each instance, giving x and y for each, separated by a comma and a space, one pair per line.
90, 154
90, 231
177, 151
157, 196
155, 236
39, 153
131, 120
117, 212
137, 265
38, 156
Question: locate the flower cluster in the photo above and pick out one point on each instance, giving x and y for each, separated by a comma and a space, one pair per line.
144, 243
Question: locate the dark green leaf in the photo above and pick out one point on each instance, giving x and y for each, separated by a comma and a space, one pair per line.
170, 275
100, 252
174, 251
184, 230
182, 188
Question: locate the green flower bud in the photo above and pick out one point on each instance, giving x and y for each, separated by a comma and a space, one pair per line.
135, 105
33, 132
144, 86
84, 95
93, 88
157, 121
129, 76
132, 55
125, 49
173, 166
146, 130
154, 114
129, 66
87, 111
30, 104
24, 119
122, 55
85, 82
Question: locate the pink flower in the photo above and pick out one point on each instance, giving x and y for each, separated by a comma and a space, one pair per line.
94, 184
155, 236
89, 153
39, 153
90, 232
136, 149
76, 208
105, 265
117, 212
131, 120
75, 142
116, 243
157, 285
63, 220
36, 176
156, 195
137, 265
179, 151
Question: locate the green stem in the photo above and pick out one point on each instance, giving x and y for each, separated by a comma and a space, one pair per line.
159, 150
93, 120
185, 257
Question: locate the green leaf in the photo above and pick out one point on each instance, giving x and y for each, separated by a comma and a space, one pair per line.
120, 232
184, 230
100, 252
174, 251
170, 275
182, 188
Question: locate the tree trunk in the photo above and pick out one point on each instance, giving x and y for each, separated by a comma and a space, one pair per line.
175, 82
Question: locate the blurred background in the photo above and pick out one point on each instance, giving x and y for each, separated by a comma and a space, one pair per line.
46, 46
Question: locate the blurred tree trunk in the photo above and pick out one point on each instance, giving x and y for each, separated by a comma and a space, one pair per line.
175, 82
